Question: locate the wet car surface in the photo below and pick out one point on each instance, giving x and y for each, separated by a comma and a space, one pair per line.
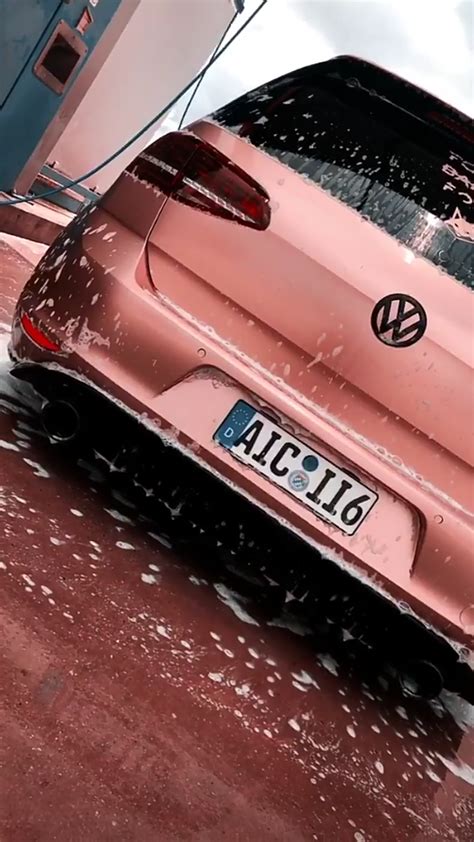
320, 379
143, 699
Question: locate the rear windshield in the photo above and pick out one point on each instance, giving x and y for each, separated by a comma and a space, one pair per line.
397, 156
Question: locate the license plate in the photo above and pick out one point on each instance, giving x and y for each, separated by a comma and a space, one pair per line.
331, 493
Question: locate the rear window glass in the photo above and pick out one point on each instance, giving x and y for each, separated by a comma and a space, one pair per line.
399, 167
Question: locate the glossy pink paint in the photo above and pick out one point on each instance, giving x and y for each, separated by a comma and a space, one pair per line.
178, 314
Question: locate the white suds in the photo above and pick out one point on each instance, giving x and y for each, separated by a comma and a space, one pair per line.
148, 578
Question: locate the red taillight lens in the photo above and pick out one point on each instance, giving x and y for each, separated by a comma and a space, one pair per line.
192, 171
37, 336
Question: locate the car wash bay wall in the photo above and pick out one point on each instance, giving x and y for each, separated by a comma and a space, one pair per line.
163, 46
49, 50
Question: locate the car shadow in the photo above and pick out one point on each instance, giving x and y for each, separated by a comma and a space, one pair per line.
270, 573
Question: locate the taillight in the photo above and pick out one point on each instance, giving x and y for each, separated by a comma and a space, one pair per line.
193, 172
37, 335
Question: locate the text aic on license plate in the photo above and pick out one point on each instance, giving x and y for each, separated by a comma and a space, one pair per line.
331, 493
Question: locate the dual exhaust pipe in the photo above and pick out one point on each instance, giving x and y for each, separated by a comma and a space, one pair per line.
421, 679
60, 420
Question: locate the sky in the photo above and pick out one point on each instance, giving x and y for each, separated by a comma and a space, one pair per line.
429, 42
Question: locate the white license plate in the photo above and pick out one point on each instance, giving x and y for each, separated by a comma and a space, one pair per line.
331, 493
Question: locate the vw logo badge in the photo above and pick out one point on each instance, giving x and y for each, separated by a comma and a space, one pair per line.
298, 480
398, 320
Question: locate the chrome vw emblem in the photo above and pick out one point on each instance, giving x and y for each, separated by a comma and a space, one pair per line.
398, 320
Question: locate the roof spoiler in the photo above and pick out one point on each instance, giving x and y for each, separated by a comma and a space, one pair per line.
401, 94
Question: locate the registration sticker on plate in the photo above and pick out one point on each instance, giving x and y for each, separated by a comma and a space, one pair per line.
331, 493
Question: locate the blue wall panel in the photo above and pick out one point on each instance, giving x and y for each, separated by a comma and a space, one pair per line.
21, 28
27, 104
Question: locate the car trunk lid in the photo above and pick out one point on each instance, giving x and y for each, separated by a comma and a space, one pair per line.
306, 298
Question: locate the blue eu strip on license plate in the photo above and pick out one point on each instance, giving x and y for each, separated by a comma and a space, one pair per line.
235, 424
330, 492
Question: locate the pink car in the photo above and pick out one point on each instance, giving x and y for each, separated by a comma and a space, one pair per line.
284, 292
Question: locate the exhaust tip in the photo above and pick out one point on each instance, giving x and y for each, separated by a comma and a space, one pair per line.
421, 679
61, 421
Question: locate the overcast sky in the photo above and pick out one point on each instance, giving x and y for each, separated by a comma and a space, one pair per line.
429, 42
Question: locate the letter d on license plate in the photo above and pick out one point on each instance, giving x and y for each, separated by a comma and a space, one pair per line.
327, 490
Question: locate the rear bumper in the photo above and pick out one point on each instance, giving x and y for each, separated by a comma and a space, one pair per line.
182, 381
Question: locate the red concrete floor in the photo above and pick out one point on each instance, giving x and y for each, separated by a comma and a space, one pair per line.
139, 701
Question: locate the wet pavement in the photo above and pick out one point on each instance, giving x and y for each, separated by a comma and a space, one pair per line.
143, 700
